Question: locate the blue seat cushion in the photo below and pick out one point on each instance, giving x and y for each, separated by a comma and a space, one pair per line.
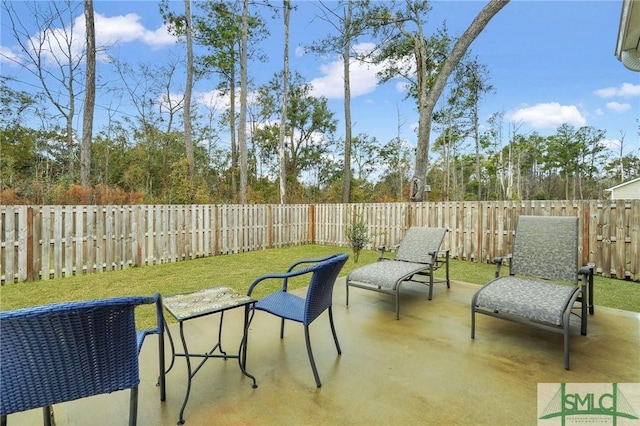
529, 298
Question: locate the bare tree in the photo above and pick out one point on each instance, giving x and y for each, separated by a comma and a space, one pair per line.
89, 96
242, 126
429, 98
432, 65
50, 53
348, 27
149, 90
188, 140
283, 113
621, 154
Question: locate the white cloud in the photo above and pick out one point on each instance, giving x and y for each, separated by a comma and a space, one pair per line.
213, 99
364, 48
547, 116
625, 90
402, 86
220, 101
8, 57
331, 84
618, 107
110, 31
613, 144
299, 52
126, 29
364, 77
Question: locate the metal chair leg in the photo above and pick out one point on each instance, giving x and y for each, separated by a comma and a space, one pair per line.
333, 330
161, 367
313, 363
133, 407
47, 416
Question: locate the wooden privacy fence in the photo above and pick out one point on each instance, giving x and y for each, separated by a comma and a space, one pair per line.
43, 242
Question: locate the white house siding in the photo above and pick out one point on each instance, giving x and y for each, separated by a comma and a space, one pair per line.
626, 191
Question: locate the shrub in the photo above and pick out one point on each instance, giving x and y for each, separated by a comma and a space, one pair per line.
358, 237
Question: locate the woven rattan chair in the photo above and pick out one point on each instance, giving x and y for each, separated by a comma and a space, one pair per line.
159, 331
543, 282
63, 352
323, 273
418, 254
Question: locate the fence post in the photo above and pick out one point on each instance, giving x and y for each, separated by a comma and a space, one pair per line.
270, 226
30, 256
312, 223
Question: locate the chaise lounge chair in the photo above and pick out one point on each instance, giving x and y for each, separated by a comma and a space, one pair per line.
418, 254
542, 286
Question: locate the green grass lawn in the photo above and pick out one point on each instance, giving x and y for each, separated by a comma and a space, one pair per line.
238, 271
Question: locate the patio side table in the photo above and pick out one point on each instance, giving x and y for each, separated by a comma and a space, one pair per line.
187, 306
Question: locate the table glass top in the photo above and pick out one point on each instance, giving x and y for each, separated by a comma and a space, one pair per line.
203, 302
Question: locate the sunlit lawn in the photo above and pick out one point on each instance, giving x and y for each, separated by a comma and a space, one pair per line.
238, 271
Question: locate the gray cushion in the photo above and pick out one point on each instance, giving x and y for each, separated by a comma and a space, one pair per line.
385, 274
536, 300
546, 247
418, 244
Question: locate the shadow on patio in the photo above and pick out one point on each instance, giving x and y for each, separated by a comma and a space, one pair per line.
422, 369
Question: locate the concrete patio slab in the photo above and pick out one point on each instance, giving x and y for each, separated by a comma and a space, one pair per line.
421, 369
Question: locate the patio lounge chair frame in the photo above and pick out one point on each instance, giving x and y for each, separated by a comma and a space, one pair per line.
67, 351
544, 282
418, 254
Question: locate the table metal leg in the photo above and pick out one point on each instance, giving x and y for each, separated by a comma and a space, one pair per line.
173, 350
162, 374
242, 351
189, 375
191, 372
220, 336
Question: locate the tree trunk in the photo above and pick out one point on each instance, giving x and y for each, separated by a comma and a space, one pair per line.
427, 101
188, 141
242, 130
283, 113
476, 136
346, 178
232, 132
90, 96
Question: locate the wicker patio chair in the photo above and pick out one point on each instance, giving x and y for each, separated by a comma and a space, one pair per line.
318, 299
418, 254
543, 284
67, 351
159, 331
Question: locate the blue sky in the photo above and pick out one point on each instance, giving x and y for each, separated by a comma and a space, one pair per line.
551, 62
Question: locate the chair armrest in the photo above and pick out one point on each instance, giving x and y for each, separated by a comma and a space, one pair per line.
157, 298
281, 276
587, 269
384, 250
306, 261
499, 261
587, 285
